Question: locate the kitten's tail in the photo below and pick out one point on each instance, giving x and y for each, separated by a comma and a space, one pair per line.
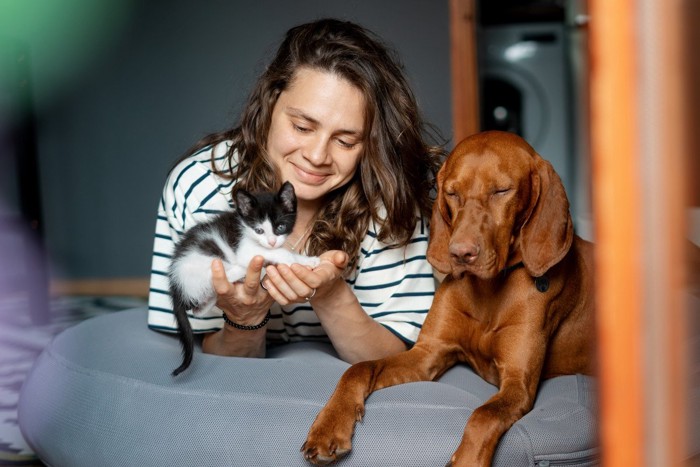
185, 334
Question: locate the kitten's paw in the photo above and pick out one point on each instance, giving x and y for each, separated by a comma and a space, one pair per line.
235, 273
204, 307
311, 261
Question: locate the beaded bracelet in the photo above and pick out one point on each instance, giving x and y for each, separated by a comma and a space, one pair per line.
247, 328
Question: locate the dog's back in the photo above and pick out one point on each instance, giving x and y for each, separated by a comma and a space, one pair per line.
572, 347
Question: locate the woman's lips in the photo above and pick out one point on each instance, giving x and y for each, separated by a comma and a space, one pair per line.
309, 177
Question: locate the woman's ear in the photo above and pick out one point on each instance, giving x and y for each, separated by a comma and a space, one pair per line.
440, 231
546, 235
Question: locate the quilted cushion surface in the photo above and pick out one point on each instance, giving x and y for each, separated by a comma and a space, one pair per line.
102, 394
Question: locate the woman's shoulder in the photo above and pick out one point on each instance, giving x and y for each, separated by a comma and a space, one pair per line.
372, 246
211, 159
375, 226
196, 183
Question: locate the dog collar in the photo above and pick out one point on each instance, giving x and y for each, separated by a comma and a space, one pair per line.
512, 268
541, 283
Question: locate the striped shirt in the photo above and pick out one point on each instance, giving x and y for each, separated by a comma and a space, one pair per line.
395, 286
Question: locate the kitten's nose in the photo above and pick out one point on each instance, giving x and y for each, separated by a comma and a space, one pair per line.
272, 241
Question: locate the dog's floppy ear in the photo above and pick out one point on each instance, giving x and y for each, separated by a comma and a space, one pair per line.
438, 254
546, 235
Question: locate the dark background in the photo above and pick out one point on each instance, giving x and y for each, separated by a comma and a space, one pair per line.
99, 99
120, 89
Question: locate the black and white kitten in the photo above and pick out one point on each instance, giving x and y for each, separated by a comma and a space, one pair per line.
258, 226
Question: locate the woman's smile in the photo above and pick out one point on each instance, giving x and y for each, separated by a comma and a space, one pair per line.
309, 176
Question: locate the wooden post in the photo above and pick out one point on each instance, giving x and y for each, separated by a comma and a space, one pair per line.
465, 79
618, 227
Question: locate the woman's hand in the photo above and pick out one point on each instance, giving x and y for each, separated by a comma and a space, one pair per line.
297, 284
244, 302
354, 334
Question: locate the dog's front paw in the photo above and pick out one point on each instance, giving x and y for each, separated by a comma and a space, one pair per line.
323, 452
330, 437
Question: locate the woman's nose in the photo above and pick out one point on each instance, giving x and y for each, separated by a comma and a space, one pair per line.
317, 151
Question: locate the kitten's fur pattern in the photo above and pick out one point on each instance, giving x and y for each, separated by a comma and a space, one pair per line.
258, 226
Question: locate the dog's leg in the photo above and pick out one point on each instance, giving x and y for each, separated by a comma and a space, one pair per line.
330, 435
519, 375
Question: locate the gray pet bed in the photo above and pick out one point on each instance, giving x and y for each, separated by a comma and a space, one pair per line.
102, 394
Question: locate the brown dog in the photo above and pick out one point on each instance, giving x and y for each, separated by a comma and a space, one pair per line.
516, 306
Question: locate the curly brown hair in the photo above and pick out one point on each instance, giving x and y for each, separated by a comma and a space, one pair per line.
397, 168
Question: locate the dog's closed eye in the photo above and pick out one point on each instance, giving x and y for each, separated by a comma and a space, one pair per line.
499, 193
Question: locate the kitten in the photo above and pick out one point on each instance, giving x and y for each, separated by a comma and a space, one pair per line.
258, 226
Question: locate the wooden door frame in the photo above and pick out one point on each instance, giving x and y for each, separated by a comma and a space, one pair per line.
463, 58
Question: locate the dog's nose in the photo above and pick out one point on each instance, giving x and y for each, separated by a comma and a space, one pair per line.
464, 252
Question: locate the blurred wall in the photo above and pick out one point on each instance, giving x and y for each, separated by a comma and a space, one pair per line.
123, 88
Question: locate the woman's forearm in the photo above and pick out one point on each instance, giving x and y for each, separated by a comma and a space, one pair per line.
354, 334
232, 342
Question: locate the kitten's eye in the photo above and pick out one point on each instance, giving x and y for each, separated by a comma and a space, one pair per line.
259, 231
279, 230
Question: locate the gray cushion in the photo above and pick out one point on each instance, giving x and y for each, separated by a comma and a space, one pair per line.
102, 394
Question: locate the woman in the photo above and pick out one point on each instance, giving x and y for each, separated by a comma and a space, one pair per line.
334, 115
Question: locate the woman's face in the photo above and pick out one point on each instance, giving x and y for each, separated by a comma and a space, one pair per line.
316, 134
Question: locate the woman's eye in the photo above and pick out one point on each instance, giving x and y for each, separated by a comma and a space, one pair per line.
346, 145
301, 129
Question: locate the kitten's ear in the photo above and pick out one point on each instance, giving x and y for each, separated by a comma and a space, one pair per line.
244, 202
287, 197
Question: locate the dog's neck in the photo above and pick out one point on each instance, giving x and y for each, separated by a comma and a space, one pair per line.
512, 268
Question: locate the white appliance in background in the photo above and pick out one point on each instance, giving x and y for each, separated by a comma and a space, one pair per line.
528, 87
